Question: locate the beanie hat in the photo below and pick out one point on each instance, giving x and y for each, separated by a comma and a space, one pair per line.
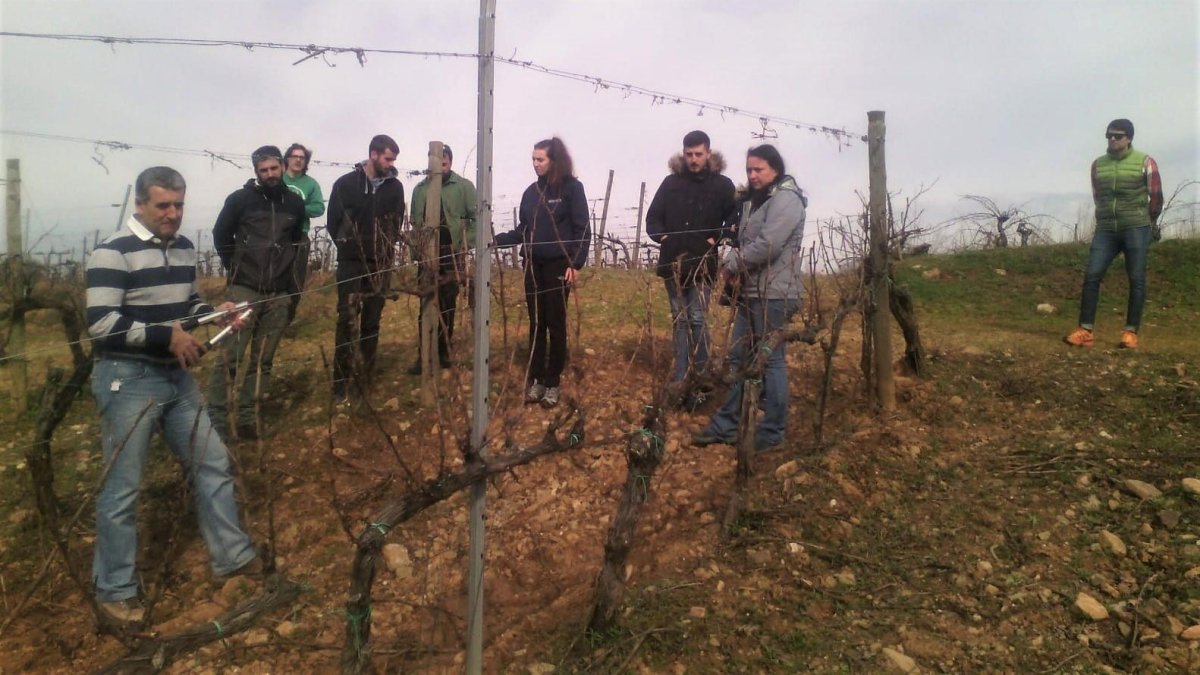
1122, 125
266, 152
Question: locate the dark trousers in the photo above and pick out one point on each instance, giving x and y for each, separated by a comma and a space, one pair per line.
359, 308
546, 299
299, 278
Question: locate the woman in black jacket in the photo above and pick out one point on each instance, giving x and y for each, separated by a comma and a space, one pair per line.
553, 230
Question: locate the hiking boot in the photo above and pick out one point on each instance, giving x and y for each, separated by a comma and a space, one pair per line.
1129, 340
129, 610
550, 398
706, 437
252, 570
1081, 337
536, 392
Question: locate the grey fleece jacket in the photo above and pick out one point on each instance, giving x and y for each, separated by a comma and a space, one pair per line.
771, 249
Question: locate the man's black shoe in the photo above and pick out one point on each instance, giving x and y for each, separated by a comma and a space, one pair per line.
706, 437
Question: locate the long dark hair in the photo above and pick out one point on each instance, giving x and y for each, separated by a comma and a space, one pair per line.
561, 166
767, 153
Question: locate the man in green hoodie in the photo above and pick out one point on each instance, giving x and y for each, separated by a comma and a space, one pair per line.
1127, 189
296, 177
456, 236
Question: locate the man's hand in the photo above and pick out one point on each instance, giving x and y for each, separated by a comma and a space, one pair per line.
570, 276
187, 349
231, 318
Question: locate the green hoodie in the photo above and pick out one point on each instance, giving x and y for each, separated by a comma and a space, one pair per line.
459, 205
310, 191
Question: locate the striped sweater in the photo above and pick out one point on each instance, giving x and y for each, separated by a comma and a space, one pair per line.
137, 285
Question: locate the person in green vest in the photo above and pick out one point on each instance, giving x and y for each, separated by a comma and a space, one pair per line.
1127, 189
456, 236
297, 179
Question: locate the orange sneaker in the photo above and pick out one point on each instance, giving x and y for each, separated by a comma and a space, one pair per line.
1082, 337
1128, 340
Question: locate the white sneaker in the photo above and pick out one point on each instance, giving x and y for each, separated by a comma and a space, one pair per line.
551, 398
536, 393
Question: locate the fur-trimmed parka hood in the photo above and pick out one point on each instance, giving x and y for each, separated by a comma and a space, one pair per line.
678, 165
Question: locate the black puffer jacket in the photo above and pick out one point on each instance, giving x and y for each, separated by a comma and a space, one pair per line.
687, 210
256, 236
364, 220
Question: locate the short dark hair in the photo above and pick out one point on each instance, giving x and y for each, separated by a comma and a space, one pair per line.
447, 152
767, 153
307, 155
694, 138
264, 153
161, 176
1121, 125
561, 165
383, 142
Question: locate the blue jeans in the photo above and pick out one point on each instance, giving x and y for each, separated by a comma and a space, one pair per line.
134, 399
756, 319
1135, 244
689, 318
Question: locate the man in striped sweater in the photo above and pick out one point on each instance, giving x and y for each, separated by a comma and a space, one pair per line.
141, 282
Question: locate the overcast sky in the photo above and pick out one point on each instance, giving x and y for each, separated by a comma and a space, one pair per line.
1005, 98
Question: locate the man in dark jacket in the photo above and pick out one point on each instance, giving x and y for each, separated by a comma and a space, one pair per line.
256, 236
687, 218
365, 210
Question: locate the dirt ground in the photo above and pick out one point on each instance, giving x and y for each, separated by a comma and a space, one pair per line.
959, 534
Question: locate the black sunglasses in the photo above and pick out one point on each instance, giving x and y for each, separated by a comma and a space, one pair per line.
1115, 136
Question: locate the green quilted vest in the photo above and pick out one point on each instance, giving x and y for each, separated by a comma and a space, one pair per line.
1122, 198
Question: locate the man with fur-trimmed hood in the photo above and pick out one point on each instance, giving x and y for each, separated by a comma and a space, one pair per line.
687, 218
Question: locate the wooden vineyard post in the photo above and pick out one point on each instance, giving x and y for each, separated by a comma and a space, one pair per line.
16, 271
637, 238
429, 273
880, 309
599, 236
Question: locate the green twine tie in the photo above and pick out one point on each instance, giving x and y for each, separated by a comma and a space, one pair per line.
382, 528
220, 630
356, 620
658, 440
644, 483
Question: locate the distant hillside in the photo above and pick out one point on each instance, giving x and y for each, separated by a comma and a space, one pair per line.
999, 289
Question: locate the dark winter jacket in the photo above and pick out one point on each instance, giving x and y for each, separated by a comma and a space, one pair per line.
552, 223
256, 236
687, 210
364, 220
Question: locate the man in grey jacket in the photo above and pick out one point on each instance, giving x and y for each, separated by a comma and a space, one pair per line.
769, 267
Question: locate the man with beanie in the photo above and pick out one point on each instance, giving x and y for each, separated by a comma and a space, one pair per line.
1127, 189
296, 177
256, 237
365, 210
456, 236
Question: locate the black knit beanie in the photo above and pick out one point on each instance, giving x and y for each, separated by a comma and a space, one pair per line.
1122, 125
